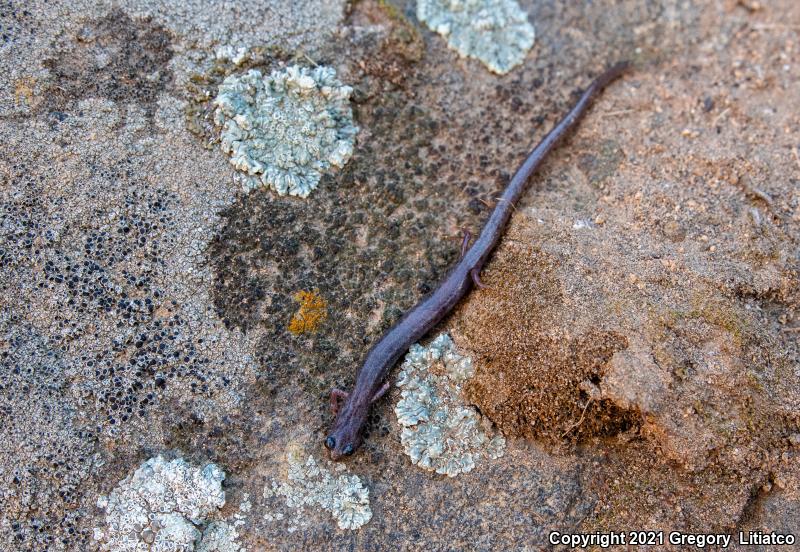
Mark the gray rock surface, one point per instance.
(145, 300)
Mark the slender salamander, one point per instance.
(345, 436)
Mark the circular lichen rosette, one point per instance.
(286, 129)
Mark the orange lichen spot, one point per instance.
(312, 312)
(23, 91)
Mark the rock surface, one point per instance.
(638, 346)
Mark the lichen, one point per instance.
(311, 486)
(158, 507)
(220, 536)
(496, 32)
(286, 129)
(441, 433)
(313, 311)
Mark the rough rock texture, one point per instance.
(146, 302)
(648, 292)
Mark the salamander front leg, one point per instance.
(381, 392)
(336, 396)
(465, 243)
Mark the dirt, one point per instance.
(638, 343)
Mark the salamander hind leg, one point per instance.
(336, 396)
(476, 278)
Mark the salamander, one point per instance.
(346, 434)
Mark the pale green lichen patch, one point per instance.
(285, 130)
(220, 536)
(440, 432)
(311, 486)
(159, 507)
(496, 32)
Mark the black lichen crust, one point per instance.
(372, 239)
(41, 496)
(115, 57)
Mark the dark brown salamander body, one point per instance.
(345, 436)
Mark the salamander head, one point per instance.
(345, 437)
(339, 447)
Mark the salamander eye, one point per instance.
(348, 450)
(330, 443)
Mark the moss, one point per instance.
(707, 307)
(24, 91)
(717, 312)
(633, 481)
(754, 382)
